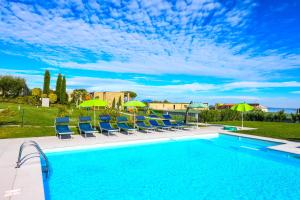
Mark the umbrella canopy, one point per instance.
(93, 103)
(242, 107)
(147, 101)
(197, 105)
(134, 104)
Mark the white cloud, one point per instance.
(149, 43)
(295, 92)
(247, 84)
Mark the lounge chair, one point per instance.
(62, 127)
(154, 123)
(167, 122)
(122, 123)
(105, 125)
(85, 126)
(140, 123)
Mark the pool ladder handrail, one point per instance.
(32, 143)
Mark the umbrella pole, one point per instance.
(242, 120)
(94, 117)
(133, 119)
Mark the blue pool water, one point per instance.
(226, 167)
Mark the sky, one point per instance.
(225, 51)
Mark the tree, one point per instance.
(46, 89)
(119, 104)
(13, 86)
(36, 92)
(58, 87)
(78, 95)
(131, 94)
(113, 104)
(52, 98)
(63, 92)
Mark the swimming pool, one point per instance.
(225, 167)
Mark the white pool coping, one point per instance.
(138, 142)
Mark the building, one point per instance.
(111, 97)
(171, 106)
(256, 106)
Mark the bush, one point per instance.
(255, 115)
(6, 115)
(62, 111)
(295, 118)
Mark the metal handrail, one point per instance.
(38, 148)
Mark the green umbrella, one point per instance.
(94, 103)
(134, 104)
(242, 107)
(197, 105)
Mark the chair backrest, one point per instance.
(62, 128)
(140, 123)
(167, 116)
(123, 125)
(167, 122)
(153, 122)
(105, 118)
(105, 125)
(85, 119)
(122, 119)
(85, 126)
(140, 118)
(153, 116)
(62, 120)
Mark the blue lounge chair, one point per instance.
(154, 123)
(140, 123)
(85, 126)
(122, 123)
(168, 118)
(105, 125)
(62, 127)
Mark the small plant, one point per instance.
(62, 111)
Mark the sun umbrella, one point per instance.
(94, 103)
(197, 105)
(147, 101)
(242, 107)
(134, 104)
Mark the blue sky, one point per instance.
(203, 50)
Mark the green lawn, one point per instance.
(36, 116)
(39, 116)
(281, 130)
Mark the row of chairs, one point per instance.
(105, 126)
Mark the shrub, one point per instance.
(62, 111)
(6, 115)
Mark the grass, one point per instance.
(280, 130)
(39, 116)
(41, 119)
(18, 132)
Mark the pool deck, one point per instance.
(26, 182)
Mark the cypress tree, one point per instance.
(119, 103)
(63, 92)
(58, 87)
(113, 105)
(46, 89)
